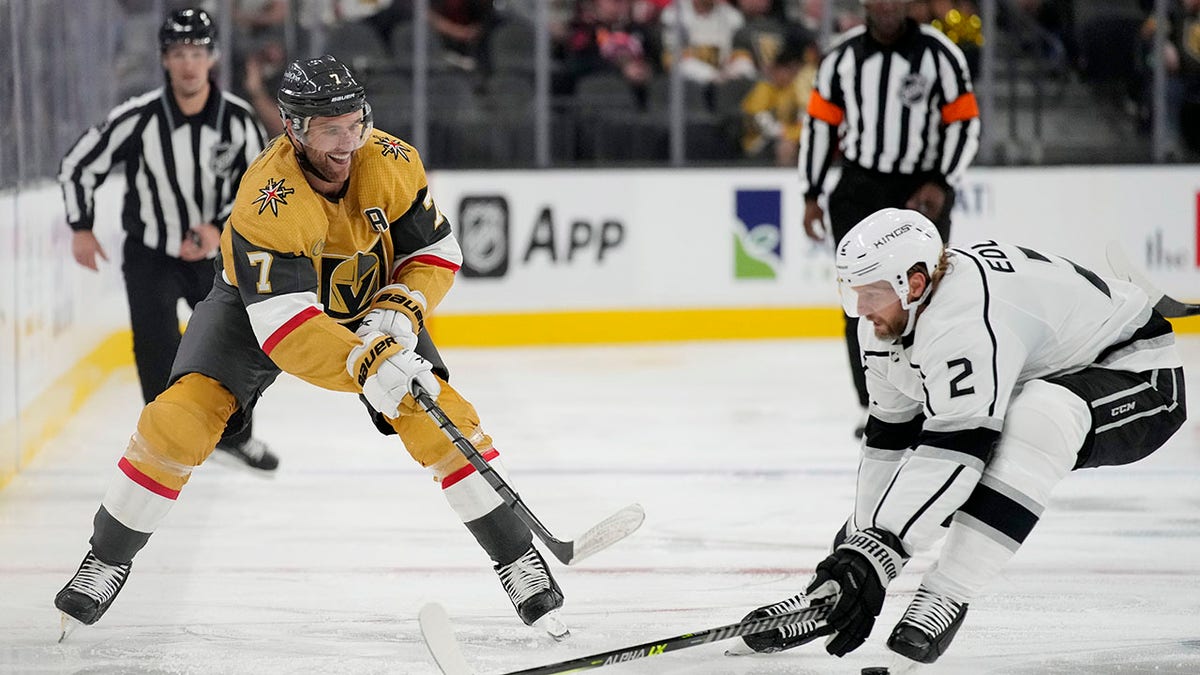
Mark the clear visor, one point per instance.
(866, 299)
(344, 133)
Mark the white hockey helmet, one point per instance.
(884, 247)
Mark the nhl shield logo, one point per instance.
(484, 235)
(224, 154)
(914, 89)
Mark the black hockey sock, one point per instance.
(114, 543)
(502, 534)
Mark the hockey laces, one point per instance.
(796, 602)
(525, 577)
(931, 612)
(98, 580)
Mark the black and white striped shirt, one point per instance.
(180, 171)
(907, 108)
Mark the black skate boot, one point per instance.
(88, 594)
(927, 627)
(784, 637)
(252, 453)
(534, 593)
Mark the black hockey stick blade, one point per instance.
(1124, 269)
(599, 537)
(439, 638)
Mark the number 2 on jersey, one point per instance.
(956, 388)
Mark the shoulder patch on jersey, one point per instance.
(273, 195)
(393, 147)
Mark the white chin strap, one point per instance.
(912, 311)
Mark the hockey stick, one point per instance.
(439, 638)
(602, 535)
(1126, 270)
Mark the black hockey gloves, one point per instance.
(856, 574)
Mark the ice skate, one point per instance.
(88, 595)
(784, 637)
(928, 626)
(251, 453)
(534, 593)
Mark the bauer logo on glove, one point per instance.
(380, 346)
(394, 300)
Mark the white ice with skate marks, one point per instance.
(744, 474)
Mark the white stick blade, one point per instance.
(609, 531)
(1124, 269)
(439, 638)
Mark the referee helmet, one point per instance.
(192, 26)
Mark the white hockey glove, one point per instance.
(398, 311)
(386, 372)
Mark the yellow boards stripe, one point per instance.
(625, 326)
(45, 417)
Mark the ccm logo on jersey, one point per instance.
(364, 368)
(1122, 409)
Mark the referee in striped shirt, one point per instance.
(896, 98)
(183, 148)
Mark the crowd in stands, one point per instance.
(611, 62)
(1181, 57)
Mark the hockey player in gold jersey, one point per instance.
(332, 258)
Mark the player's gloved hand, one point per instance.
(856, 576)
(386, 372)
(398, 311)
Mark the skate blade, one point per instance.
(902, 664)
(553, 625)
(68, 624)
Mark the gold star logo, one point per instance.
(392, 147)
(273, 195)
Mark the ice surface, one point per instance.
(741, 453)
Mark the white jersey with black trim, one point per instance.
(1001, 316)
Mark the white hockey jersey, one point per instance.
(1001, 316)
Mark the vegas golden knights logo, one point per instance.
(350, 284)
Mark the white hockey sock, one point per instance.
(136, 500)
(469, 493)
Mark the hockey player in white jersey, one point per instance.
(993, 371)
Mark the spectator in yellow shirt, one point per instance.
(773, 110)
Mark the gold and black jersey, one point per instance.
(306, 265)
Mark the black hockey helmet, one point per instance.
(321, 87)
(192, 26)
